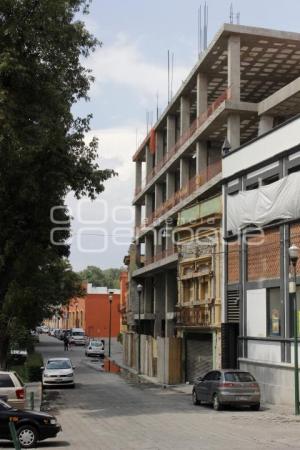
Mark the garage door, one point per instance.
(199, 354)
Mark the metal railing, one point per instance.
(197, 181)
(196, 124)
(160, 255)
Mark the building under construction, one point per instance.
(244, 85)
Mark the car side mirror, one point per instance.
(200, 379)
(42, 368)
(74, 367)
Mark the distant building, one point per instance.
(91, 312)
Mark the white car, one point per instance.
(95, 348)
(12, 389)
(58, 371)
(77, 336)
(45, 329)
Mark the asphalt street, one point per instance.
(106, 411)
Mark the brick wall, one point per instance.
(233, 266)
(264, 256)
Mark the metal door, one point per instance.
(199, 355)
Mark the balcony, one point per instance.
(192, 316)
(197, 181)
(198, 122)
(161, 255)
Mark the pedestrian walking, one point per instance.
(66, 342)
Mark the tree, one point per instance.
(43, 154)
(109, 277)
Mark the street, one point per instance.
(108, 412)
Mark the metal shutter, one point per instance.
(233, 306)
(199, 356)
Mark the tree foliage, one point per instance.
(109, 277)
(43, 153)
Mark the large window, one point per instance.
(274, 312)
(292, 313)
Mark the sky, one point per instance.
(130, 70)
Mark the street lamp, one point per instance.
(294, 255)
(76, 314)
(139, 291)
(110, 299)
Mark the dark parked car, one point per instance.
(31, 426)
(227, 387)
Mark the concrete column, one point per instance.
(266, 124)
(158, 195)
(148, 206)
(170, 300)
(169, 237)
(159, 146)
(202, 90)
(201, 157)
(148, 295)
(159, 303)
(234, 83)
(184, 114)
(157, 242)
(234, 66)
(171, 132)
(149, 161)
(184, 172)
(138, 175)
(138, 253)
(233, 130)
(148, 246)
(170, 184)
(138, 215)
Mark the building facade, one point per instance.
(262, 211)
(92, 312)
(198, 311)
(243, 85)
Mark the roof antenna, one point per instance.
(168, 76)
(147, 120)
(231, 13)
(238, 17)
(203, 32)
(172, 72)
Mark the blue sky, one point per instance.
(130, 69)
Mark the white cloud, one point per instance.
(123, 63)
(117, 144)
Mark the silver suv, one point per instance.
(12, 389)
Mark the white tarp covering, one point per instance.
(277, 201)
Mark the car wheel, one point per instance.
(255, 407)
(195, 399)
(216, 403)
(27, 436)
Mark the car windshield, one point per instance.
(58, 364)
(242, 377)
(4, 405)
(96, 344)
(77, 333)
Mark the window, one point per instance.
(292, 313)
(242, 377)
(213, 376)
(274, 312)
(188, 291)
(6, 381)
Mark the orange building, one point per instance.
(92, 311)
